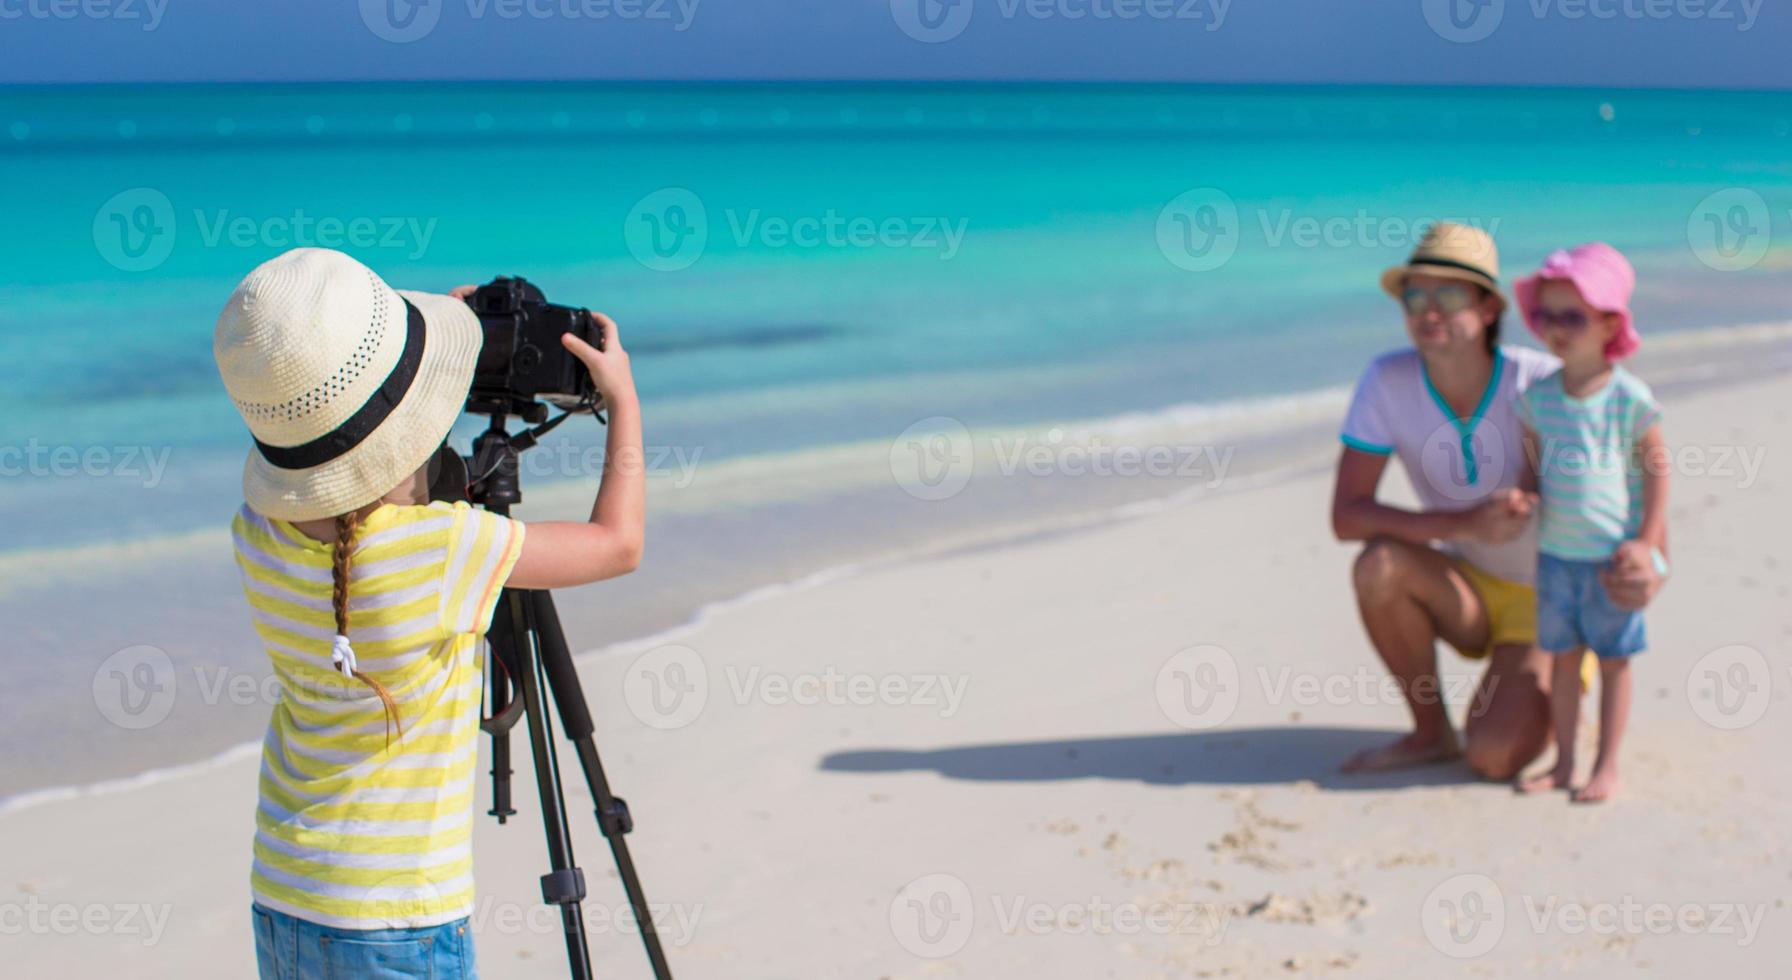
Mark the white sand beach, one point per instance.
(986, 764)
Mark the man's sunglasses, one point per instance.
(1448, 300)
(1564, 320)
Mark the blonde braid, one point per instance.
(347, 526)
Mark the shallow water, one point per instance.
(802, 274)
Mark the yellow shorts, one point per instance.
(1511, 617)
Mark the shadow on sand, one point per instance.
(1243, 756)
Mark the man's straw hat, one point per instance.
(347, 385)
(1451, 251)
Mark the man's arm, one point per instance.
(1358, 516)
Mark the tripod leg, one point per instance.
(564, 885)
(612, 813)
(499, 664)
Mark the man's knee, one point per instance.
(1494, 757)
(1380, 569)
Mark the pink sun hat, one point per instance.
(1605, 280)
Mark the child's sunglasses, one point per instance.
(1564, 320)
(1449, 300)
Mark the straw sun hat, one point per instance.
(1451, 251)
(347, 385)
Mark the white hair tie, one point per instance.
(342, 654)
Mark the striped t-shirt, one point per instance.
(1589, 472)
(351, 833)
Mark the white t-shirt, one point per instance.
(1453, 463)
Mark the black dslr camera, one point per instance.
(522, 369)
(523, 362)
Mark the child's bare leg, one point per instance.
(1614, 715)
(1564, 714)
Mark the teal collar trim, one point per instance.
(1465, 428)
(1365, 446)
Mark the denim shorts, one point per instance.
(290, 948)
(1574, 611)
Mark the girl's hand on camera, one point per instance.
(562, 554)
(609, 367)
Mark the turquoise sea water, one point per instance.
(1023, 277)
(795, 268)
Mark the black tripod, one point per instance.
(529, 654)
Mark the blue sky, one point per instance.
(1671, 43)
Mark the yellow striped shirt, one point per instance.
(351, 833)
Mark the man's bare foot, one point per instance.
(1556, 778)
(1412, 750)
(1603, 786)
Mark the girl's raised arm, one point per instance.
(559, 554)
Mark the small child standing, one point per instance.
(1594, 443)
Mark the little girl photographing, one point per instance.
(372, 604)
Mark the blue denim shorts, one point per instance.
(1573, 611)
(290, 948)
